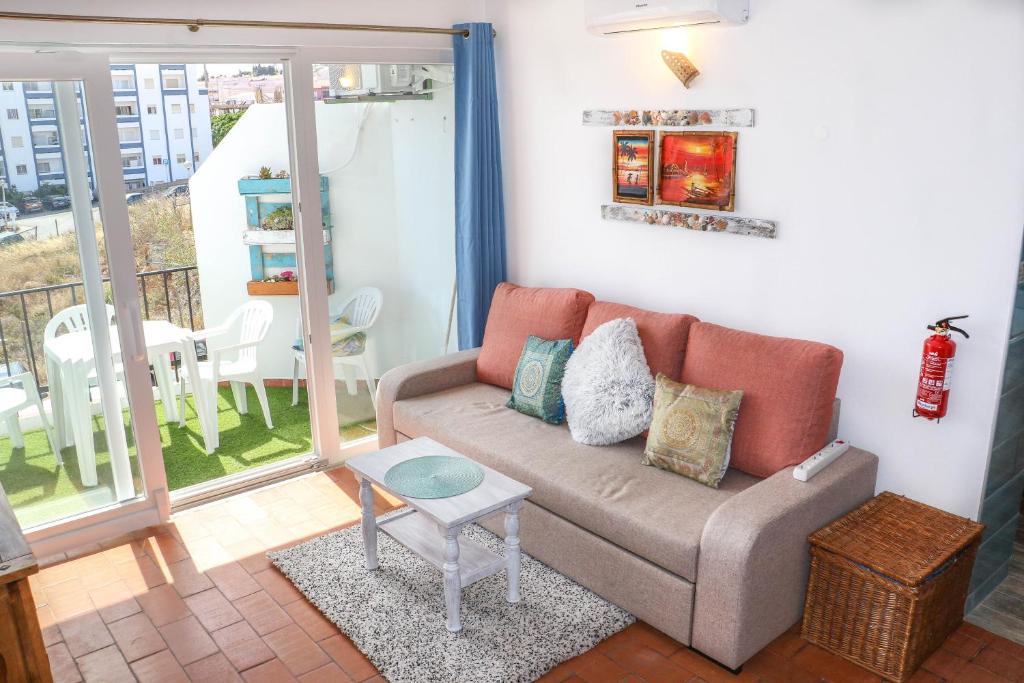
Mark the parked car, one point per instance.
(176, 191)
(135, 198)
(31, 204)
(9, 238)
(57, 201)
(8, 211)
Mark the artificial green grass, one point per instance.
(245, 441)
(40, 490)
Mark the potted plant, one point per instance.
(280, 218)
(284, 283)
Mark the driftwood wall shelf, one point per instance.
(691, 221)
(671, 118)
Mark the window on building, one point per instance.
(195, 158)
(125, 109)
(149, 83)
(17, 141)
(154, 134)
(135, 184)
(179, 133)
(181, 158)
(21, 169)
(195, 132)
(175, 108)
(8, 85)
(173, 83)
(129, 134)
(158, 160)
(12, 114)
(123, 82)
(192, 108)
(131, 161)
(43, 167)
(151, 109)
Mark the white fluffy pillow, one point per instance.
(608, 388)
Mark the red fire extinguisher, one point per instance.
(936, 370)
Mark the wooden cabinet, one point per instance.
(22, 653)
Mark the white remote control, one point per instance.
(820, 460)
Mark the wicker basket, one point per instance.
(888, 583)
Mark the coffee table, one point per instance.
(430, 527)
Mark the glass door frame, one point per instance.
(151, 505)
(302, 128)
(311, 265)
(91, 65)
(298, 62)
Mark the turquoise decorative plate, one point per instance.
(434, 476)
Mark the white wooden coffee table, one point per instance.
(430, 526)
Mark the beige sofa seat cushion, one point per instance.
(656, 514)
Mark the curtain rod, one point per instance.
(194, 25)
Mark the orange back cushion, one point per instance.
(788, 386)
(516, 313)
(662, 334)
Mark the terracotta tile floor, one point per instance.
(198, 600)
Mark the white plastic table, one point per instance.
(70, 360)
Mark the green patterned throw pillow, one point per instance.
(537, 386)
(691, 432)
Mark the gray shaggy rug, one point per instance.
(396, 614)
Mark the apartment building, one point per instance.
(163, 122)
(30, 152)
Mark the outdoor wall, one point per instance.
(392, 213)
(888, 148)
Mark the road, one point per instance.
(46, 224)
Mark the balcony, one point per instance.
(37, 87)
(38, 115)
(40, 489)
(133, 164)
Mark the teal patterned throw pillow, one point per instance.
(537, 387)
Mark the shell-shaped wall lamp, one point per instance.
(681, 66)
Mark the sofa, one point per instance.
(722, 570)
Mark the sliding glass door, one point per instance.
(385, 151)
(207, 178)
(148, 198)
(67, 438)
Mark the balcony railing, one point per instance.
(169, 294)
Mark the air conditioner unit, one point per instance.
(622, 16)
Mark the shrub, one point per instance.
(162, 237)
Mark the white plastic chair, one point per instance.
(240, 334)
(13, 400)
(76, 319)
(361, 309)
(72, 319)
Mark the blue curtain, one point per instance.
(479, 207)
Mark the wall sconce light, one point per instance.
(681, 66)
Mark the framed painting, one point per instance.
(698, 169)
(633, 166)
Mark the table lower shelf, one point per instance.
(420, 535)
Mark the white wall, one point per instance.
(392, 208)
(888, 146)
(423, 150)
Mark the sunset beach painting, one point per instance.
(633, 166)
(698, 170)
